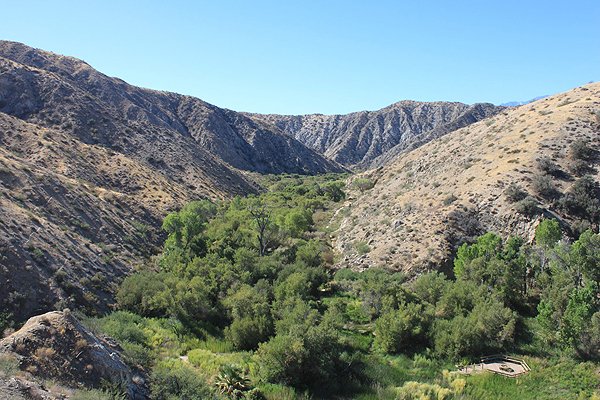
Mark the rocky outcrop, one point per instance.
(370, 139)
(56, 345)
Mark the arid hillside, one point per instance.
(370, 139)
(90, 165)
(501, 174)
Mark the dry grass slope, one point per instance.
(453, 188)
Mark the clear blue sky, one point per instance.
(324, 56)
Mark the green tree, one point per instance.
(402, 329)
(577, 315)
(547, 233)
(487, 246)
(185, 233)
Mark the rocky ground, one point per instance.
(55, 347)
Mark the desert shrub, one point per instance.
(580, 150)
(9, 365)
(579, 167)
(515, 193)
(362, 247)
(96, 394)
(449, 200)
(363, 184)
(583, 199)
(548, 166)
(528, 206)
(543, 186)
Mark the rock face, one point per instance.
(452, 189)
(90, 165)
(369, 139)
(57, 346)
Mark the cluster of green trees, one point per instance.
(253, 275)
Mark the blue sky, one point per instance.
(295, 57)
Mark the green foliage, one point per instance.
(577, 315)
(486, 247)
(231, 382)
(9, 365)
(363, 184)
(547, 233)
(267, 309)
(6, 321)
(400, 330)
(303, 358)
(173, 380)
(489, 327)
(583, 199)
(184, 229)
(362, 247)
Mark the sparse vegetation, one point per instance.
(544, 186)
(363, 184)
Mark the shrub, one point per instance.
(302, 358)
(172, 380)
(362, 247)
(400, 330)
(363, 184)
(548, 166)
(580, 150)
(8, 365)
(579, 167)
(449, 200)
(528, 207)
(543, 186)
(515, 193)
(583, 199)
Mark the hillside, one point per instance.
(90, 165)
(66, 93)
(455, 187)
(374, 138)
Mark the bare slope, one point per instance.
(453, 188)
(67, 94)
(374, 138)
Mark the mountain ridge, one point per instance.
(368, 139)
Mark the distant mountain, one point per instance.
(89, 166)
(369, 139)
(520, 103)
(448, 191)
